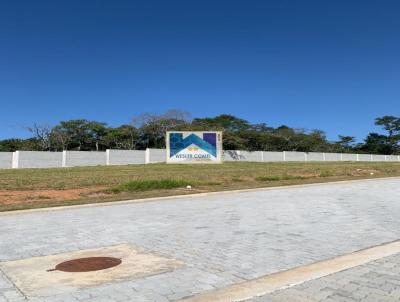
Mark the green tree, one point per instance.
(392, 125)
(123, 137)
(346, 143)
(223, 122)
(80, 135)
(152, 127)
(41, 134)
(95, 135)
(376, 144)
(15, 144)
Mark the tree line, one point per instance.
(148, 131)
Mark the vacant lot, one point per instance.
(31, 188)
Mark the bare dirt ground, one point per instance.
(10, 197)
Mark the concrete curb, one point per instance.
(267, 284)
(192, 195)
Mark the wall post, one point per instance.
(64, 159)
(15, 160)
(107, 157)
(147, 156)
(284, 155)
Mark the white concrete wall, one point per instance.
(271, 156)
(6, 160)
(256, 156)
(39, 159)
(231, 155)
(392, 158)
(126, 157)
(295, 156)
(364, 157)
(333, 156)
(378, 157)
(349, 157)
(85, 158)
(157, 156)
(316, 156)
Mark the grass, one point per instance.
(110, 183)
(283, 177)
(146, 185)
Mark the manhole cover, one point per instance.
(87, 264)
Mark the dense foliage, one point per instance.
(148, 130)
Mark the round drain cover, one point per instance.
(89, 264)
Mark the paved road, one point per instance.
(222, 239)
(377, 281)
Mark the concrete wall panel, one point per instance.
(364, 157)
(255, 156)
(6, 160)
(127, 157)
(157, 156)
(315, 156)
(39, 159)
(349, 157)
(392, 158)
(378, 157)
(85, 158)
(333, 156)
(271, 156)
(231, 155)
(294, 156)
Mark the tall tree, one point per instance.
(152, 127)
(95, 134)
(224, 122)
(148, 130)
(346, 143)
(392, 125)
(377, 144)
(15, 144)
(79, 134)
(41, 133)
(123, 137)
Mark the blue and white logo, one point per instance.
(196, 147)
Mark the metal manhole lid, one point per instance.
(89, 264)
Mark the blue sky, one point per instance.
(330, 65)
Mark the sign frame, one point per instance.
(218, 145)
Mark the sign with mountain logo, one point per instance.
(194, 147)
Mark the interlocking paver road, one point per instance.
(222, 239)
(377, 281)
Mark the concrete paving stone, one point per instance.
(378, 298)
(358, 288)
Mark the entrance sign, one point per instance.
(188, 147)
